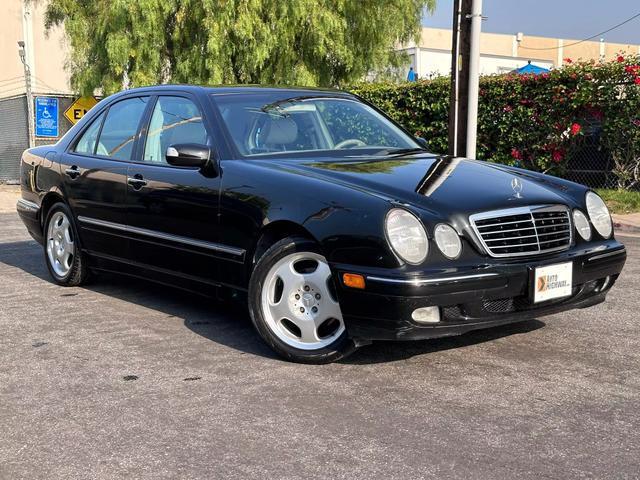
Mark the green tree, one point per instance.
(116, 43)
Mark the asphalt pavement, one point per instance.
(127, 379)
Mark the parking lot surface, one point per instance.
(126, 379)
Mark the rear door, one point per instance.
(172, 212)
(95, 175)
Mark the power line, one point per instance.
(586, 39)
(14, 89)
(40, 83)
(49, 87)
(11, 80)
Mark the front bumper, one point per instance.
(471, 297)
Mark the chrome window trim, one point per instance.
(424, 281)
(28, 205)
(528, 210)
(163, 236)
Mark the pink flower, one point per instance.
(515, 153)
(620, 59)
(575, 129)
(568, 60)
(557, 156)
(636, 80)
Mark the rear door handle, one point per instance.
(137, 181)
(73, 172)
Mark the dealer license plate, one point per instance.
(552, 281)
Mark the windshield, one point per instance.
(276, 123)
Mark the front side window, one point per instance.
(119, 130)
(175, 120)
(276, 123)
(87, 143)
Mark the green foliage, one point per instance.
(620, 201)
(124, 43)
(533, 121)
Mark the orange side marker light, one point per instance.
(353, 280)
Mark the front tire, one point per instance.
(65, 261)
(293, 304)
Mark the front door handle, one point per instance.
(137, 181)
(73, 172)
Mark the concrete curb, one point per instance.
(626, 223)
(625, 228)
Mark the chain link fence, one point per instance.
(592, 163)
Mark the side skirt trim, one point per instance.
(239, 252)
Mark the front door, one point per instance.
(172, 212)
(95, 174)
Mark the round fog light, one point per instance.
(426, 315)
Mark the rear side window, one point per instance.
(119, 130)
(87, 143)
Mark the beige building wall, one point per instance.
(45, 54)
(499, 52)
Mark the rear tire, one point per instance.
(293, 306)
(65, 260)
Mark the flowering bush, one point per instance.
(534, 121)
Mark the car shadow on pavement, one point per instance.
(227, 323)
(224, 322)
(382, 352)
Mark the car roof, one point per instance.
(226, 89)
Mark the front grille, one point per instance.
(524, 231)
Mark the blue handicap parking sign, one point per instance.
(46, 117)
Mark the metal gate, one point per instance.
(14, 137)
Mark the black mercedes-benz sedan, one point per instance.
(337, 225)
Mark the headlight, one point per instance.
(599, 214)
(447, 240)
(406, 236)
(582, 224)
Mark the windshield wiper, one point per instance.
(402, 151)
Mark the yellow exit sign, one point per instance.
(79, 108)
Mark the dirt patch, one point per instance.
(9, 195)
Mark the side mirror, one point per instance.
(188, 155)
(423, 142)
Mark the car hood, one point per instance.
(443, 185)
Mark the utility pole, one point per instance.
(465, 56)
(27, 81)
(474, 78)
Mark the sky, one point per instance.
(570, 19)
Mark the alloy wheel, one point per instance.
(60, 244)
(299, 303)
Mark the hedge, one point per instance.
(533, 121)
